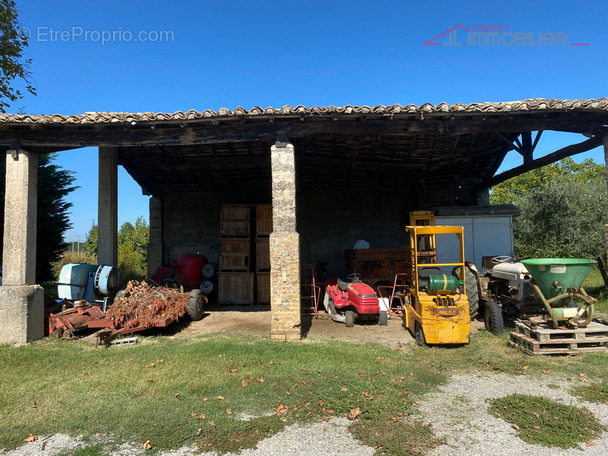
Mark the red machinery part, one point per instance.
(189, 267)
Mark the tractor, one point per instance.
(354, 301)
(533, 289)
(436, 308)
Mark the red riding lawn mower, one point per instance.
(347, 302)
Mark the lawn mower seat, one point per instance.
(342, 285)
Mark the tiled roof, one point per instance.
(536, 104)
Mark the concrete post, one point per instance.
(284, 246)
(107, 206)
(21, 302)
(155, 244)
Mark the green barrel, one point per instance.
(442, 283)
(555, 275)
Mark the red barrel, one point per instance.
(189, 266)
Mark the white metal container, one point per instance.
(73, 280)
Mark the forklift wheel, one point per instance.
(195, 305)
(493, 318)
(349, 319)
(420, 340)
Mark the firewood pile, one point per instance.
(142, 305)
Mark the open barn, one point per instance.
(330, 176)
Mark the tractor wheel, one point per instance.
(195, 305)
(419, 334)
(383, 318)
(349, 318)
(472, 289)
(493, 318)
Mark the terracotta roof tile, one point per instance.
(536, 104)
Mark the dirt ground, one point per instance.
(255, 320)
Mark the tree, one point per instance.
(13, 66)
(54, 184)
(511, 191)
(563, 209)
(132, 247)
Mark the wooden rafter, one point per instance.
(547, 159)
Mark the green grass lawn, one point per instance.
(191, 391)
(184, 392)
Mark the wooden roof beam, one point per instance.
(548, 159)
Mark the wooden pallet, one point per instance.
(542, 339)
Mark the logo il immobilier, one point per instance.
(499, 35)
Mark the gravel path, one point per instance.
(457, 412)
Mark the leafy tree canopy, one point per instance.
(511, 191)
(13, 66)
(563, 209)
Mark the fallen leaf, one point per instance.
(271, 362)
(199, 431)
(33, 404)
(221, 398)
(584, 380)
(325, 418)
(281, 408)
(244, 383)
(205, 399)
(236, 369)
(537, 428)
(147, 445)
(581, 375)
(344, 389)
(547, 372)
(353, 414)
(154, 390)
(515, 426)
(229, 411)
(261, 380)
(177, 396)
(150, 365)
(591, 444)
(526, 367)
(329, 411)
(30, 438)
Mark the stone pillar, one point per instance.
(107, 207)
(155, 245)
(284, 246)
(21, 302)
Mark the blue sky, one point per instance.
(244, 53)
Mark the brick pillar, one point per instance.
(21, 302)
(155, 245)
(284, 246)
(107, 207)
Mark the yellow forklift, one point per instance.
(436, 309)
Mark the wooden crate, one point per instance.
(235, 245)
(379, 264)
(235, 287)
(235, 220)
(263, 219)
(234, 262)
(263, 283)
(235, 212)
(262, 254)
(543, 339)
